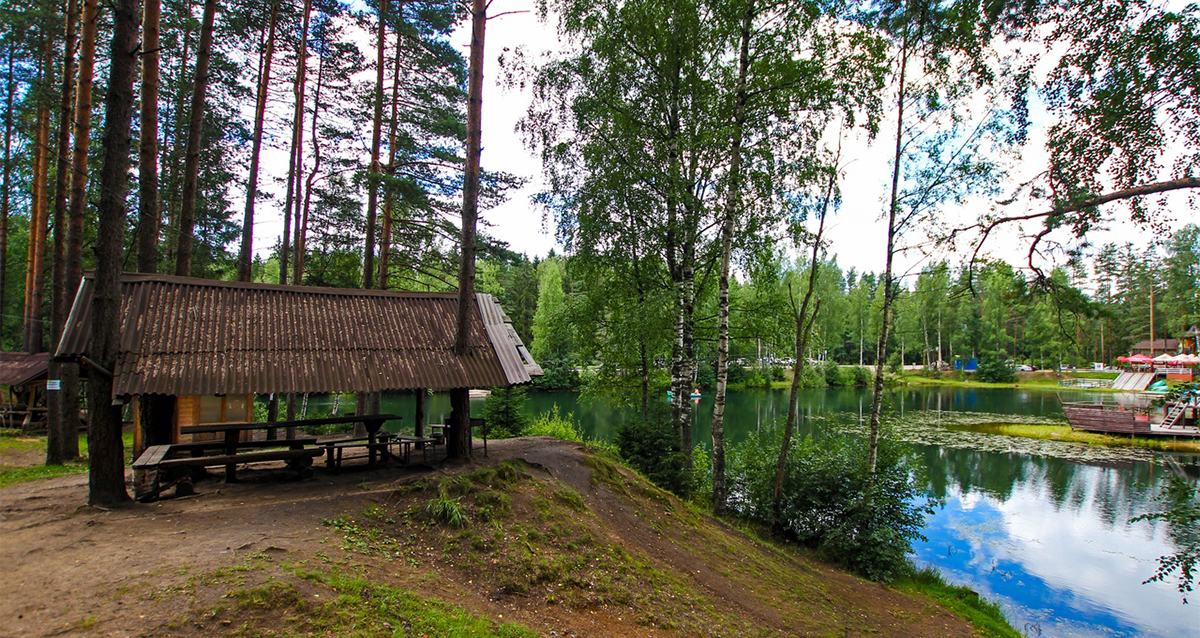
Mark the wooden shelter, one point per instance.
(212, 346)
(24, 376)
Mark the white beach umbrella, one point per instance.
(1164, 358)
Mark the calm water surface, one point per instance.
(1041, 527)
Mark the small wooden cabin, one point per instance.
(194, 351)
(23, 375)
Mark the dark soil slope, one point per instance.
(539, 539)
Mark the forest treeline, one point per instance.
(691, 150)
(945, 312)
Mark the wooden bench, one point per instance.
(154, 471)
(406, 442)
(296, 458)
(146, 479)
(199, 447)
(380, 446)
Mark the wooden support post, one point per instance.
(419, 417)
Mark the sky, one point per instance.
(856, 231)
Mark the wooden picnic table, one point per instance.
(232, 431)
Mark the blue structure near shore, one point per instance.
(966, 365)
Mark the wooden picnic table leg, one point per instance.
(231, 438)
(372, 436)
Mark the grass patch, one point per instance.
(16, 442)
(1065, 433)
(1028, 384)
(10, 474)
(348, 606)
(985, 615)
(1095, 375)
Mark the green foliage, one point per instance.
(994, 369)
(353, 606)
(492, 505)
(1180, 502)
(504, 412)
(559, 376)
(702, 475)
(551, 335)
(443, 509)
(832, 373)
(811, 377)
(831, 502)
(859, 376)
(653, 448)
(737, 373)
(555, 425)
(894, 365)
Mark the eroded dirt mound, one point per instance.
(540, 533)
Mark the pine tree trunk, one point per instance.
(246, 254)
(39, 215)
(457, 442)
(148, 216)
(62, 409)
(733, 196)
(385, 233)
(169, 195)
(106, 480)
(4, 200)
(296, 157)
(156, 411)
(302, 235)
(191, 160)
(376, 134)
(73, 250)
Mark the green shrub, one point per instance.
(859, 376)
(504, 412)
(830, 503)
(894, 365)
(776, 373)
(552, 424)
(737, 373)
(832, 373)
(702, 474)
(994, 369)
(652, 447)
(442, 509)
(811, 377)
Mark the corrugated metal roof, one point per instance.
(19, 368)
(186, 336)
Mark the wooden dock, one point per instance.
(1174, 420)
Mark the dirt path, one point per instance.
(72, 570)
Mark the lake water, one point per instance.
(1042, 527)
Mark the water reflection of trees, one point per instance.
(1117, 491)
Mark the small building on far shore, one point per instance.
(1156, 347)
(194, 351)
